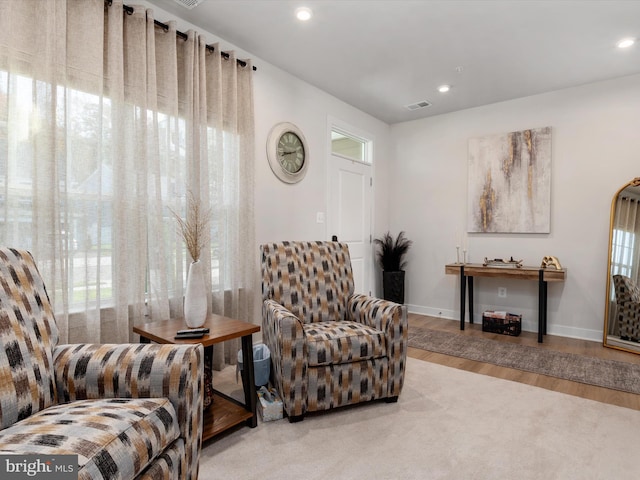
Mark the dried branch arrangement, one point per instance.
(195, 229)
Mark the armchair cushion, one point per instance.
(311, 279)
(109, 436)
(626, 289)
(342, 342)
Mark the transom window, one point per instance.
(350, 146)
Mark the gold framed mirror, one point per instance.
(622, 302)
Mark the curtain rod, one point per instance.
(180, 34)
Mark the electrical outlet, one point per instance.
(502, 292)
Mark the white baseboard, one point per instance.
(527, 325)
(433, 312)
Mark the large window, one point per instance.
(84, 219)
(624, 244)
(108, 123)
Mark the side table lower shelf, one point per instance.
(226, 412)
(223, 414)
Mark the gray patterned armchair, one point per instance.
(329, 347)
(627, 307)
(128, 411)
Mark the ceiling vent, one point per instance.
(189, 3)
(418, 105)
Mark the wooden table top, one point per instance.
(220, 329)
(523, 273)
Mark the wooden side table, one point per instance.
(224, 412)
(542, 275)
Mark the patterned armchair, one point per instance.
(329, 347)
(628, 307)
(127, 411)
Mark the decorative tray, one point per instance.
(500, 262)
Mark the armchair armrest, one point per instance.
(92, 371)
(630, 307)
(282, 332)
(390, 318)
(628, 315)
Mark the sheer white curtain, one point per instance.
(626, 248)
(106, 123)
(626, 238)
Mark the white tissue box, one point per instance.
(269, 410)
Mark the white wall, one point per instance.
(288, 212)
(595, 150)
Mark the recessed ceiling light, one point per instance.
(444, 88)
(626, 42)
(303, 14)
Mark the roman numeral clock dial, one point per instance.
(287, 152)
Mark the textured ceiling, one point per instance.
(380, 56)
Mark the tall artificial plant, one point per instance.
(391, 252)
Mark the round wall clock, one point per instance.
(287, 152)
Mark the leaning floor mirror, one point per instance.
(622, 305)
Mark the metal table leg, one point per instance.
(463, 294)
(470, 289)
(542, 305)
(248, 380)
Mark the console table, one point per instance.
(225, 412)
(543, 275)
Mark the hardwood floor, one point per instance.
(562, 344)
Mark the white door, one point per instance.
(349, 219)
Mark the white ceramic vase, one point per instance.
(195, 297)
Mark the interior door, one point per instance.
(350, 187)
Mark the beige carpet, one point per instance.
(448, 424)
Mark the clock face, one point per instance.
(291, 154)
(287, 152)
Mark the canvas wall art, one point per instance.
(509, 189)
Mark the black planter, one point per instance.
(393, 286)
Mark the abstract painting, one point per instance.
(510, 182)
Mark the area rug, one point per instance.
(578, 368)
(448, 424)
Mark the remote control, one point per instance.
(192, 330)
(189, 335)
